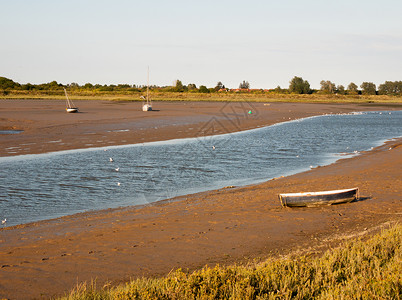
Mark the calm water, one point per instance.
(38, 187)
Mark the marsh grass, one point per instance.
(189, 96)
(358, 269)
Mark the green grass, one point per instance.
(358, 269)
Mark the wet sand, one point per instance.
(224, 226)
(47, 127)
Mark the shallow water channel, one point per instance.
(38, 187)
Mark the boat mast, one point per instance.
(68, 100)
(69, 103)
(148, 86)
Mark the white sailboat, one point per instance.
(147, 106)
(70, 107)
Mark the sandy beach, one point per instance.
(232, 225)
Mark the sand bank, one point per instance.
(47, 127)
(222, 226)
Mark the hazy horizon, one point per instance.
(263, 42)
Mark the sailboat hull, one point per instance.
(72, 110)
(146, 107)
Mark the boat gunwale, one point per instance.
(307, 199)
(330, 192)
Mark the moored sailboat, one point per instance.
(147, 106)
(70, 107)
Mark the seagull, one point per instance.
(3, 222)
(117, 169)
(111, 159)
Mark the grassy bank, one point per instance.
(357, 270)
(218, 96)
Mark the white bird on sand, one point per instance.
(111, 159)
(3, 222)
(117, 169)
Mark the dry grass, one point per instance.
(188, 96)
(357, 270)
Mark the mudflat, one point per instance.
(230, 225)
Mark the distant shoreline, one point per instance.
(208, 97)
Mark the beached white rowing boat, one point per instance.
(319, 198)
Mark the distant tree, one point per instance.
(280, 90)
(52, 85)
(219, 86)
(6, 83)
(390, 88)
(28, 87)
(74, 84)
(191, 87)
(203, 89)
(88, 86)
(340, 89)
(352, 89)
(368, 88)
(123, 86)
(327, 87)
(299, 86)
(244, 85)
(179, 87)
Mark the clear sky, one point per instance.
(264, 42)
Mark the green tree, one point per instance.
(179, 87)
(219, 86)
(280, 90)
(52, 85)
(327, 87)
(244, 85)
(390, 88)
(368, 88)
(191, 87)
(203, 89)
(6, 83)
(28, 87)
(88, 86)
(299, 86)
(76, 85)
(340, 89)
(352, 89)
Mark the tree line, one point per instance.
(297, 85)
